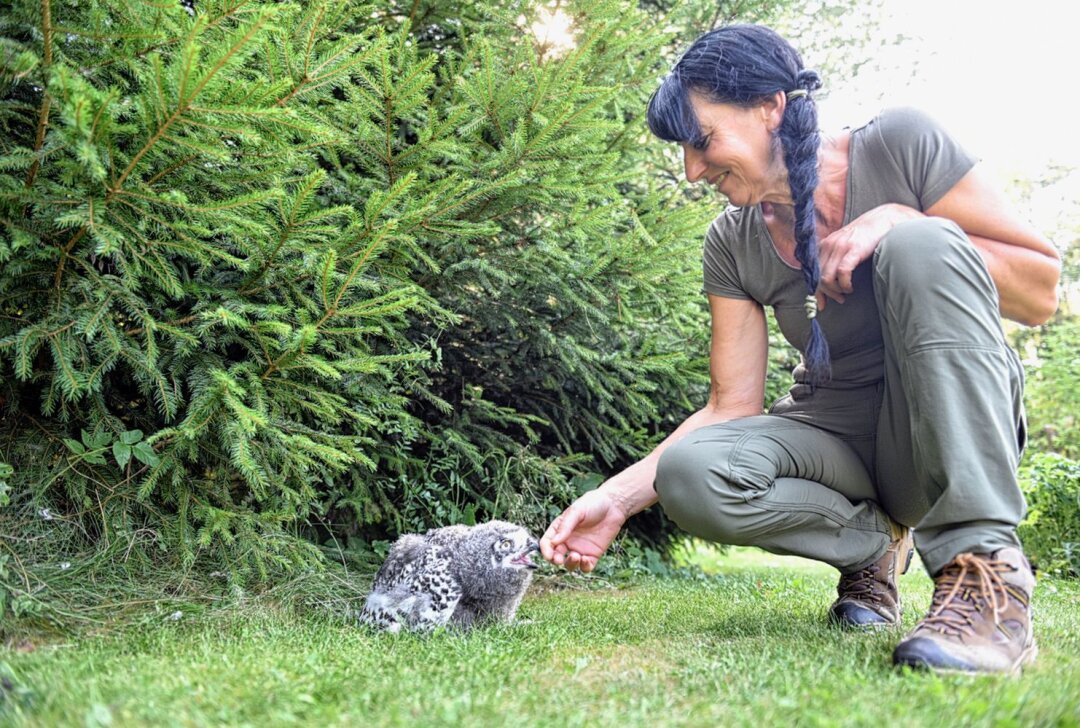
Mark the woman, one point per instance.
(887, 258)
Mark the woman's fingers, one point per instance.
(552, 545)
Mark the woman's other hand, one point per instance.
(841, 252)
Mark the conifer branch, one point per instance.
(183, 321)
(171, 168)
(43, 115)
(182, 108)
(312, 80)
(282, 238)
(184, 103)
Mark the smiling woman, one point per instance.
(735, 152)
(912, 418)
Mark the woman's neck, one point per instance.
(831, 193)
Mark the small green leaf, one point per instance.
(74, 445)
(131, 437)
(122, 453)
(95, 457)
(95, 442)
(146, 455)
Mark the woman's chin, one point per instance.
(737, 198)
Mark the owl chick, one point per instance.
(455, 575)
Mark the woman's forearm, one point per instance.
(632, 489)
(1026, 279)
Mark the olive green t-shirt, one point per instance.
(901, 156)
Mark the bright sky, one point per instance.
(1003, 78)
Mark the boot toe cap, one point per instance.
(926, 653)
(857, 616)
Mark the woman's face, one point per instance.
(737, 153)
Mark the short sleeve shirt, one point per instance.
(902, 156)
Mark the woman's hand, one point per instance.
(841, 252)
(580, 536)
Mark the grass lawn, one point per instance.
(748, 646)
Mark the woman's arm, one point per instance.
(1024, 265)
(737, 364)
(738, 359)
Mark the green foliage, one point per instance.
(174, 271)
(1051, 531)
(278, 272)
(748, 646)
(1052, 399)
(6, 471)
(16, 699)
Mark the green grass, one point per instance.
(748, 646)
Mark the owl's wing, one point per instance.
(405, 552)
(415, 588)
(437, 590)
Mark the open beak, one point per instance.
(525, 557)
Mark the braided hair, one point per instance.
(745, 65)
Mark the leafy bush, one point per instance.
(1051, 531)
(1053, 400)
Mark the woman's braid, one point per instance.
(800, 140)
(747, 65)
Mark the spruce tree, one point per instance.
(279, 272)
(194, 341)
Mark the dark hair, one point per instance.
(745, 65)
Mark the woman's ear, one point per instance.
(772, 110)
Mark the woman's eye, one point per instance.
(700, 144)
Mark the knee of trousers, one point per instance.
(698, 495)
(921, 254)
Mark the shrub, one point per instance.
(1051, 531)
(286, 270)
(1053, 400)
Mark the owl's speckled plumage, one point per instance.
(457, 575)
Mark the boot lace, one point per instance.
(863, 584)
(965, 587)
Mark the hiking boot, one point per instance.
(980, 617)
(869, 597)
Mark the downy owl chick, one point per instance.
(457, 575)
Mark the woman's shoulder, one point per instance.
(897, 124)
(734, 224)
(736, 218)
(911, 155)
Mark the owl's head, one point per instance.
(510, 547)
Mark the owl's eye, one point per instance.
(506, 544)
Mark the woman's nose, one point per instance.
(693, 164)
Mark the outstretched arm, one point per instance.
(579, 536)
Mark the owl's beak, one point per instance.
(524, 557)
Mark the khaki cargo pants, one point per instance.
(947, 419)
